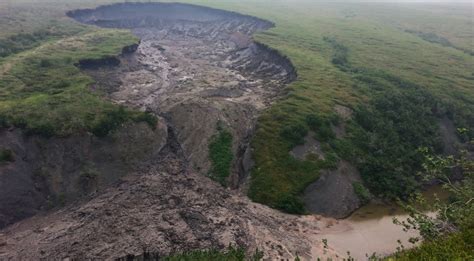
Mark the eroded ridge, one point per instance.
(196, 66)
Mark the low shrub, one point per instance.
(22, 41)
(220, 154)
(291, 204)
(294, 134)
(340, 53)
(321, 126)
(231, 254)
(6, 155)
(110, 122)
(456, 246)
(362, 192)
(147, 117)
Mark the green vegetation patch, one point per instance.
(6, 155)
(43, 91)
(220, 154)
(362, 192)
(387, 132)
(340, 55)
(294, 134)
(456, 246)
(231, 254)
(431, 37)
(22, 41)
(434, 38)
(290, 176)
(321, 125)
(448, 235)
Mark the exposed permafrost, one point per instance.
(196, 66)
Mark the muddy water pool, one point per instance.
(370, 229)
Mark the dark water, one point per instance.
(380, 211)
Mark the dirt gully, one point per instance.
(197, 67)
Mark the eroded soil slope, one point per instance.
(163, 211)
(49, 172)
(195, 66)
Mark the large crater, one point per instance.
(135, 15)
(196, 66)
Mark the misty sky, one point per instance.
(410, 1)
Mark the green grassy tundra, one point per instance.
(401, 69)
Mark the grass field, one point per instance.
(399, 67)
